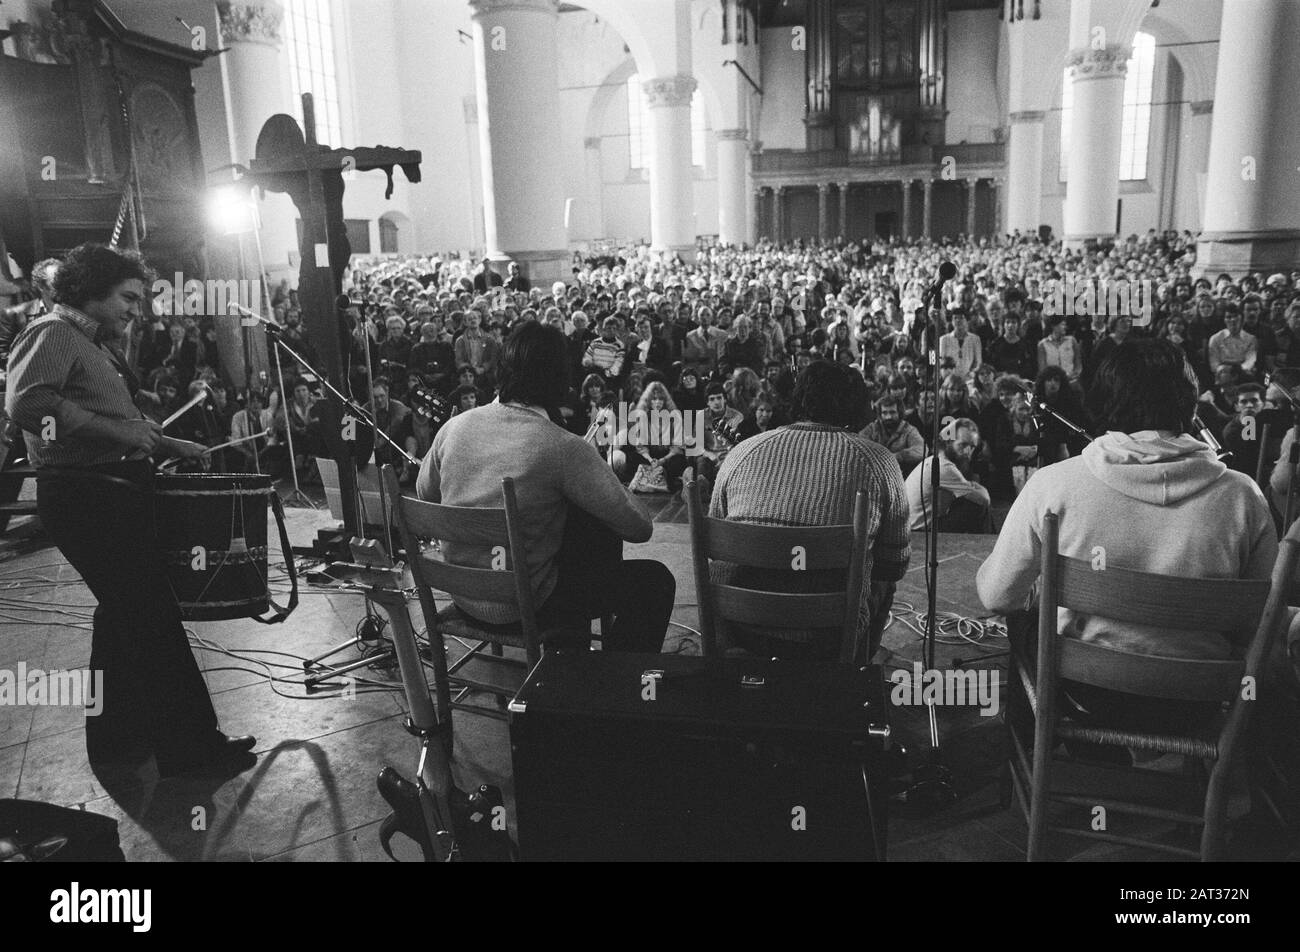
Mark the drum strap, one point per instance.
(282, 613)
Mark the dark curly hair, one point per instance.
(831, 393)
(90, 272)
(1143, 385)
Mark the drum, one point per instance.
(212, 534)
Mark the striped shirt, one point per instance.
(809, 475)
(607, 356)
(61, 376)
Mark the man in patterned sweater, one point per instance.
(808, 474)
(606, 354)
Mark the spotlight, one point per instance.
(231, 210)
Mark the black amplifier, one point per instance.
(664, 757)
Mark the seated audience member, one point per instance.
(963, 504)
(1154, 499)
(721, 430)
(653, 438)
(895, 434)
(265, 454)
(1241, 436)
(809, 474)
(393, 418)
(689, 395)
(606, 355)
(760, 419)
(569, 499)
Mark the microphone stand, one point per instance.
(931, 787)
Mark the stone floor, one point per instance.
(312, 795)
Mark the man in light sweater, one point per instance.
(1153, 500)
(571, 504)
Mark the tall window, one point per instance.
(309, 32)
(1135, 128)
(639, 145)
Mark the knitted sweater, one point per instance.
(808, 475)
(552, 469)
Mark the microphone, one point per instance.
(252, 316)
(947, 271)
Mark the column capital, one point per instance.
(490, 7)
(250, 21)
(1202, 107)
(1028, 115)
(669, 90)
(1087, 63)
(759, 190)
(823, 188)
(927, 184)
(733, 135)
(843, 186)
(778, 189)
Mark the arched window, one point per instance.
(1135, 128)
(309, 36)
(639, 145)
(387, 236)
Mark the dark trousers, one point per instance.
(154, 695)
(965, 516)
(596, 582)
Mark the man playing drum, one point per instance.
(73, 395)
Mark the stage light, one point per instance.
(231, 210)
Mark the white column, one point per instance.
(672, 184)
(595, 204)
(927, 206)
(971, 184)
(1195, 145)
(905, 230)
(822, 189)
(756, 219)
(1092, 192)
(1025, 172)
(843, 189)
(733, 162)
(517, 81)
(255, 91)
(1252, 205)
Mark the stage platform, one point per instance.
(312, 795)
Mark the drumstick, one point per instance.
(213, 449)
(197, 398)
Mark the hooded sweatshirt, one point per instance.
(1150, 502)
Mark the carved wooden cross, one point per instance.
(311, 174)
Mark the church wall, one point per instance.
(974, 111)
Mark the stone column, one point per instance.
(1092, 192)
(1196, 143)
(1025, 171)
(756, 225)
(844, 208)
(905, 229)
(595, 224)
(733, 161)
(517, 81)
(251, 33)
(672, 184)
(822, 224)
(971, 184)
(999, 187)
(778, 214)
(927, 206)
(1252, 205)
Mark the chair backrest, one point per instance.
(496, 529)
(805, 548)
(372, 505)
(1191, 604)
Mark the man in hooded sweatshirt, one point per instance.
(1155, 500)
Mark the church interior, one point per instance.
(340, 228)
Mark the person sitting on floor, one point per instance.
(963, 504)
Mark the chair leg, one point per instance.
(441, 682)
(1039, 785)
(1214, 835)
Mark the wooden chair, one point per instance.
(776, 547)
(415, 520)
(1228, 605)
